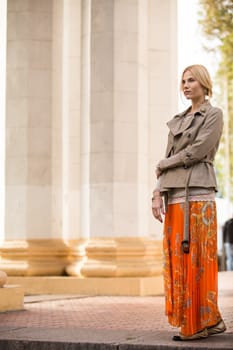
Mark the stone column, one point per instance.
(117, 100)
(163, 84)
(11, 297)
(90, 84)
(66, 119)
(66, 105)
(29, 247)
(3, 6)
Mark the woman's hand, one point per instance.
(157, 206)
(158, 172)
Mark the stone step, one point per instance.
(11, 298)
(89, 286)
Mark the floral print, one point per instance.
(190, 280)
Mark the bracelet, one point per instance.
(153, 198)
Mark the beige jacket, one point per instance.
(192, 144)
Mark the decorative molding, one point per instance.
(119, 257)
(96, 257)
(35, 257)
(3, 278)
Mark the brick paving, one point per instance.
(101, 322)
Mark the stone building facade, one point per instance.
(89, 86)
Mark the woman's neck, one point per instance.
(197, 104)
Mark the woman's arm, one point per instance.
(206, 139)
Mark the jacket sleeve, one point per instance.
(206, 139)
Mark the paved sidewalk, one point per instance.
(102, 323)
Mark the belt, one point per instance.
(186, 239)
(185, 242)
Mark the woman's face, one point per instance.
(192, 89)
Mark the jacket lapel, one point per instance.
(181, 121)
(177, 127)
(179, 124)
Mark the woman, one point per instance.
(186, 180)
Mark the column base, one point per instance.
(119, 257)
(3, 278)
(37, 257)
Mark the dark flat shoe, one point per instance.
(200, 335)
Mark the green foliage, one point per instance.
(216, 19)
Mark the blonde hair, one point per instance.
(202, 75)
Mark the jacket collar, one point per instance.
(202, 109)
(178, 124)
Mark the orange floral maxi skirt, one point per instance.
(191, 280)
